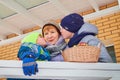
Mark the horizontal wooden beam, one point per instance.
(101, 13)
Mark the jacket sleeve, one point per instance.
(27, 50)
(93, 41)
(22, 51)
(43, 53)
(104, 55)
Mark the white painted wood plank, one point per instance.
(45, 64)
(57, 73)
(62, 70)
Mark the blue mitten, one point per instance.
(30, 66)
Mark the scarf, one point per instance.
(78, 37)
(57, 48)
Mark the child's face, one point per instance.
(50, 34)
(41, 41)
(66, 34)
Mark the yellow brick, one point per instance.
(10, 52)
(1, 58)
(116, 31)
(118, 59)
(110, 29)
(118, 19)
(97, 19)
(107, 16)
(3, 79)
(0, 47)
(14, 54)
(114, 17)
(10, 46)
(6, 55)
(112, 36)
(109, 22)
(99, 25)
(102, 20)
(15, 48)
(100, 31)
(108, 42)
(117, 13)
(7, 49)
(3, 51)
(115, 24)
(117, 51)
(104, 34)
(0, 53)
(117, 42)
(116, 39)
(104, 27)
(101, 38)
(92, 22)
(3, 48)
(17, 44)
(117, 46)
(117, 55)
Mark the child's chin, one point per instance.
(52, 43)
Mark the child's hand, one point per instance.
(41, 41)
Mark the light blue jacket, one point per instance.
(94, 41)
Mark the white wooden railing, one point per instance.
(63, 70)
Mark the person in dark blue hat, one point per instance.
(76, 30)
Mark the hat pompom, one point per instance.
(72, 22)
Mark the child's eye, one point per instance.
(52, 32)
(45, 33)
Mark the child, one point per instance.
(75, 29)
(30, 51)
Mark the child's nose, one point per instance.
(49, 35)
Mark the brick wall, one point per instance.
(9, 51)
(2, 79)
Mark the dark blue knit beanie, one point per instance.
(72, 22)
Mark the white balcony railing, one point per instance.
(63, 70)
